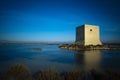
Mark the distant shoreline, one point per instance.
(49, 43)
(29, 44)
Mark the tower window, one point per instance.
(90, 29)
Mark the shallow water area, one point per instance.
(50, 56)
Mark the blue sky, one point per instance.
(56, 20)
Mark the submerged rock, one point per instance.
(35, 49)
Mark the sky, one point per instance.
(56, 20)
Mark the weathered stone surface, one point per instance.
(88, 35)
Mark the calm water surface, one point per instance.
(53, 57)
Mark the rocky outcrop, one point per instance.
(35, 49)
(89, 47)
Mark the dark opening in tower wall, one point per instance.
(90, 29)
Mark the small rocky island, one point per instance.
(88, 38)
(88, 47)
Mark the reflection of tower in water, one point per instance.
(92, 59)
(89, 59)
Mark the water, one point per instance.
(53, 57)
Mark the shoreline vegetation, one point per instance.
(89, 47)
(21, 72)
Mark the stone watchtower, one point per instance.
(88, 35)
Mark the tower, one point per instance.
(88, 35)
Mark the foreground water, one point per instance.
(53, 57)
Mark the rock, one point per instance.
(89, 47)
(35, 49)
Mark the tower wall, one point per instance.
(88, 35)
(80, 35)
(92, 36)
